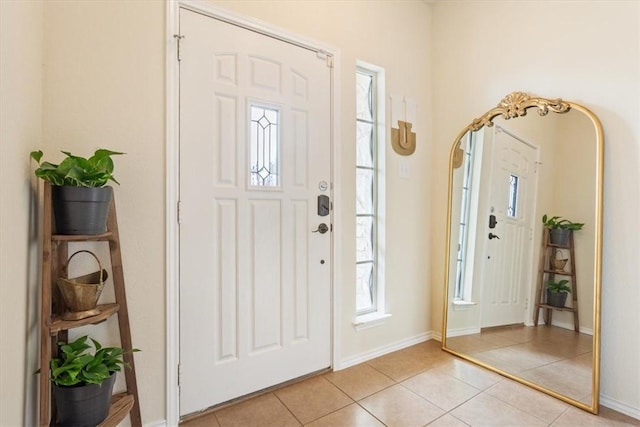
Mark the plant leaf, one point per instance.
(36, 155)
(78, 171)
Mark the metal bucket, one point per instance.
(81, 293)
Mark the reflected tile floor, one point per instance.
(553, 357)
(417, 386)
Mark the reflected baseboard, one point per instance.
(621, 407)
(460, 332)
(564, 325)
(568, 325)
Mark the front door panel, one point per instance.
(508, 244)
(254, 278)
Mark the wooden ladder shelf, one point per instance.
(547, 272)
(54, 329)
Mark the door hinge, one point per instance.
(535, 166)
(179, 211)
(326, 56)
(179, 374)
(178, 38)
(330, 61)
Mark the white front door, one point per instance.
(508, 246)
(254, 157)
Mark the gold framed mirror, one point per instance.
(527, 158)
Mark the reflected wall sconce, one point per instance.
(458, 157)
(403, 138)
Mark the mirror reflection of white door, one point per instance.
(509, 245)
(254, 147)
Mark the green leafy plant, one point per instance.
(557, 287)
(76, 171)
(556, 222)
(78, 366)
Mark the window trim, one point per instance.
(376, 315)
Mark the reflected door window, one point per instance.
(465, 213)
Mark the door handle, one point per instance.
(322, 228)
(493, 236)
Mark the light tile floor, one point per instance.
(417, 386)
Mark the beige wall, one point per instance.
(21, 131)
(104, 87)
(102, 84)
(582, 51)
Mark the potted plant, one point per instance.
(83, 381)
(560, 229)
(79, 196)
(557, 292)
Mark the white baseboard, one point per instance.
(362, 357)
(623, 408)
(381, 351)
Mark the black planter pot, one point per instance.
(559, 236)
(556, 299)
(86, 405)
(80, 210)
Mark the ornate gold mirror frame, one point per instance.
(516, 105)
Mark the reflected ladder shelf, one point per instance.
(546, 273)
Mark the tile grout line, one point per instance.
(287, 408)
(368, 412)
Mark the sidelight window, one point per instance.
(369, 189)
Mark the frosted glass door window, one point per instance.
(512, 209)
(265, 147)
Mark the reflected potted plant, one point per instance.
(557, 292)
(79, 196)
(560, 229)
(83, 381)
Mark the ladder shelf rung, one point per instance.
(560, 272)
(553, 245)
(557, 308)
(121, 405)
(106, 310)
(82, 237)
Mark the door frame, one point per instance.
(172, 123)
